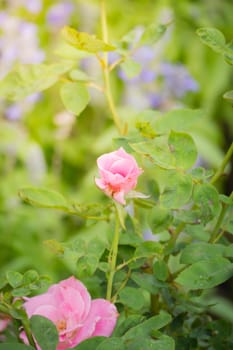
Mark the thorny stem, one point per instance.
(220, 171)
(104, 63)
(113, 257)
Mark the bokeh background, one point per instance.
(41, 144)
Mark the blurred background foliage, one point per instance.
(42, 144)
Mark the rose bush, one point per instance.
(69, 306)
(119, 172)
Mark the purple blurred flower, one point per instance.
(59, 14)
(33, 6)
(177, 79)
(16, 110)
(18, 42)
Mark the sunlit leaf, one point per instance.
(84, 41)
(75, 97)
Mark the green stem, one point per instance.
(220, 171)
(27, 330)
(108, 91)
(113, 257)
(215, 234)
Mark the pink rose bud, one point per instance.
(119, 172)
(69, 306)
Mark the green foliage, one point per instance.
(27, 79)
(45, 332)
(84, 41)
(216, 40)
(75, 97)
(206, 273)
(158, 257)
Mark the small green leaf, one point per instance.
(177, 191)
(132, 298)
(183, 149)
(206, 198)
(160, 270)
(200, 251)
(123, 326)
(148, 249)
(131, 68)
(84, 41)
(152, 34)
(75, 97)
(213, 38)
(206, 274)
(145, 328)
(30, 276)
(44, 198)
(14, 278)
(147, 282)
(159, 219)
(45, 332)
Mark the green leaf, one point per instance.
(45, 332)
(30, 276)
(132, 298)
(21, 291)
(201, 251)
(84, 41)
(183, 149)
(157, 151)
(14, 278)
(160, 270)
(179, 120)
(123, 326)
(111, 343)
(164, 343)
(148, 282)
(42, 197)
(152, 34)
(148, 249)
(75, 97)
(78, 75)
(27, 79)
(206, 198)
(213, 38)
(159, 219)
(177, 191)
(206, 274)
(145, 328)
(15, 346)
(228, 95)
(131, 68)
(89, 344)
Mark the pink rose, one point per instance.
(69, 306)
(118, 174)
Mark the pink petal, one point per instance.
(119, 197)
(100, 321)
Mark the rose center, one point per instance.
(61, 325)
